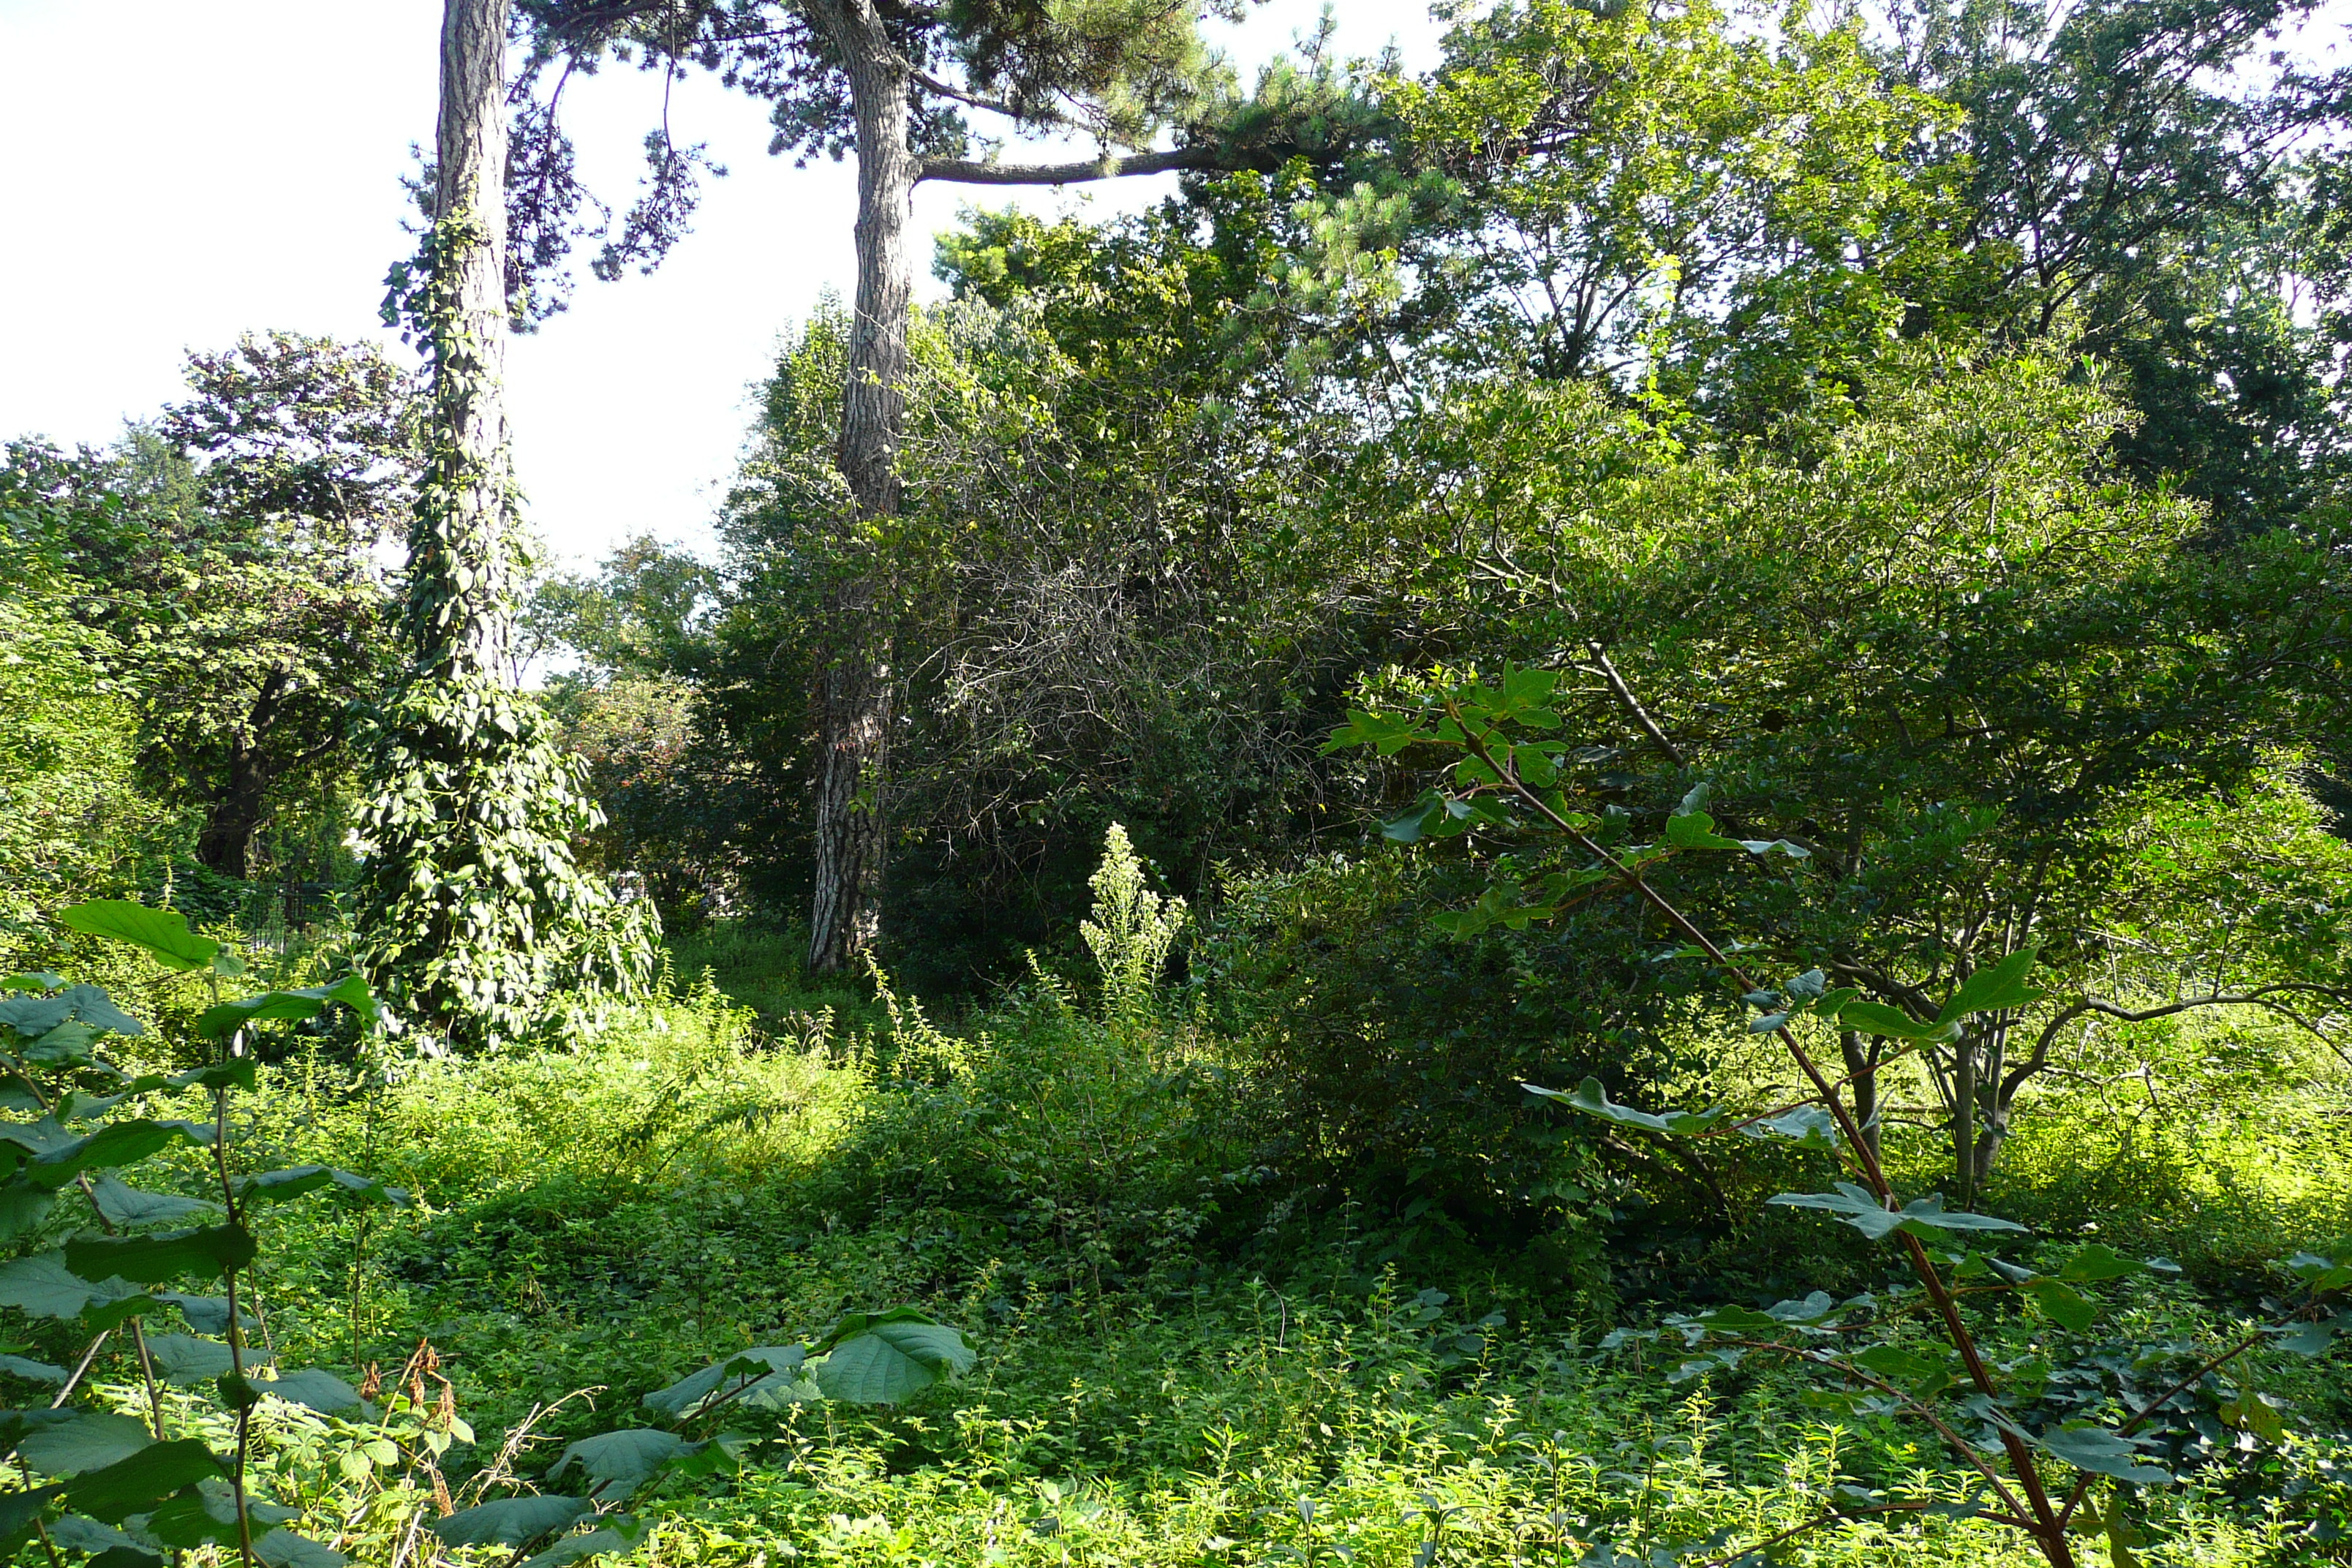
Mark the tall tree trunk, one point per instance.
(853, 696)
(474, 557)
(225, 845)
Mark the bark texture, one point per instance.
(471, 151)
(854, 691)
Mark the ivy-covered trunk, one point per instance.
(470, 905)
(853, 695)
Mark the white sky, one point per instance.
(183, 173)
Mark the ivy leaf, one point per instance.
(162, 933)
(1926, 1217)
(1593, 1101)
(2101, 1453)
(2313, 1338)
(509, 1522)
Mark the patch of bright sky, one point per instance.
(186, 172)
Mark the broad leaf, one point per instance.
(759, 1363)
(2101, 1453)
(321, 1391)
(282, 1548)
(151, 1260)
(1593, 1101)
(509, 1522)
(76, 1534)
(2061, 1304)
(162, 933)
(92, 1440)
(891, 1361)
(206, 1314)
(43, 1287)
(1925, 1218)
(128, 1207)
(40, 980)
(572, 1548)
(1995, 989)
(297, 1180)
(2089, 1265)
(1877, 1019)
(620, 1462)
(32, 1371)
(23, 1206)
(133, 1485)
(1810, 1126)
(182, 1359)
(272, 1007)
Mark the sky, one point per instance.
(186, 172)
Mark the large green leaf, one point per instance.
(184, 1359)
(23, 1206)
(91, 1441)
(2101, 1453)
(886, 1361)
(1925, 1218)
(777, 1364)
(127, 1206)
(32, 1371)
(282, 1548)
(19, 1509)
(43, 1287)
(76, 1534)
(509, 1522)
(115, 1144)
(39, 980)
(35, 1017)
(1593, 1101)
(321, 1391)
(151, 1260)
(206, 1314)
(275, 1006)
(162, 933)
(1877, 1019)
(620, 1462)
(130, 1486)
(296, 1181)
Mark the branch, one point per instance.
(963, 172)
(947, 88)
(1633, 704)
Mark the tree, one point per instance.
(891, 82)
(471, 906)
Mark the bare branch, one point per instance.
(963, 172)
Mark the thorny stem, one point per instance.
(2049, 1531)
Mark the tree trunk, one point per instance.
(853, 696)
(475, 557)
(1861, 1069)
(225, 845)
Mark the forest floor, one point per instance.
(1170, 1369)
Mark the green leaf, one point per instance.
(162, 933)
(2321, 1274)
(128, 1207)
(40, 980)
(310, 1388)
(23, 1206)
(767, 1364)
(37, 1015)
(274, 1006)
(206, 1314)
(297, 1180)
(1696, 831)
(76, 1534)
(891, 1360)
(32, 1371)
(282, 1548)
(509, 1522)
(19, 1509)
(1811, 1126)
(43, 1287)
(130, 1486)
(620, 1462)
(1995, 989)
(572, 1548)
(2101, 1453)
(1593, 1101)
(2061, 1304)
(1925, 1218)
(2097, 1261)
(1921, 1376)
(210, 1250)
(1877, 1019)
(2313, 1338)
(183, 1359)
(116, 1144)
(91, 1441)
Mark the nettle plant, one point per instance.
(185, 1471)
(2054, 1449)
